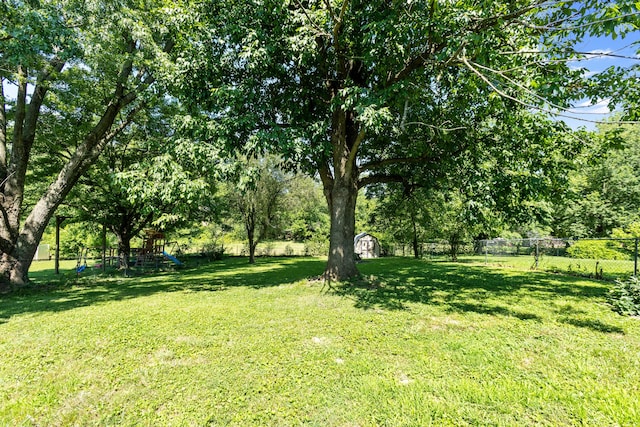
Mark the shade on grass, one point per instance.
(412, 343)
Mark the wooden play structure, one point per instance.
(153, 252)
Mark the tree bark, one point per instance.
(3, 137)
(341, 191)
(416, 249)
(252, 251)
(454, 245)
(252, 246)
(341, 264)
(124, 250)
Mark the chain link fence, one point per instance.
(608, 259)
(597, 258)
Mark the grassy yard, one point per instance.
(591, 268)
(414, 343)
(606, 269)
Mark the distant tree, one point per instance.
(304, 210)
(400, 216)
(604, 190)
(257, 196)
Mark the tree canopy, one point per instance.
(604, 191)
(364, 92)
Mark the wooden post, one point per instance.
(59, 220)
(104, 247)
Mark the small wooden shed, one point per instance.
(366, 246)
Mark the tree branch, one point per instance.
(421, 59)
(380, 179)
(3, 135)
(530, 105)
(351, 161)
(327, 180)
(313, 24)
(424, 158)
(340, 20)
(552, 26)
(394, 161)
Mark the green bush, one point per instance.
(597, 249)
(318, 245)
(212, 251)
(625, 297)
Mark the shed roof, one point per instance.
(360, 236)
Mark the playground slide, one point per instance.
(171, 258)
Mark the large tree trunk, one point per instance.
(249, 214)
(13, 270)
(252, 251)
(416, 248)
(341, 191)
(124, 248)
(454, 246)
(252, 247)
(19, 245)
(341, 264)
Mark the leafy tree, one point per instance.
(511, 176)
(364, 92)
(304, 209)
(604, 191)
(400, 216)
(257, 198)
(143, 179)
(92, 66)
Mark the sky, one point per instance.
(602, 49)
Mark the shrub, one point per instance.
(212, 251)
(597, 249)
(625, 297)
(316, 246)
(267, 249)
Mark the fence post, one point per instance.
(486, 252)
(635, 258)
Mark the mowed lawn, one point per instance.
(413, 343)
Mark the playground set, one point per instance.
(152, 254)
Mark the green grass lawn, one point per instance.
(414, 343)
(606, 269)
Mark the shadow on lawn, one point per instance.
(212, 277)
(394, 283)
(388, 283)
